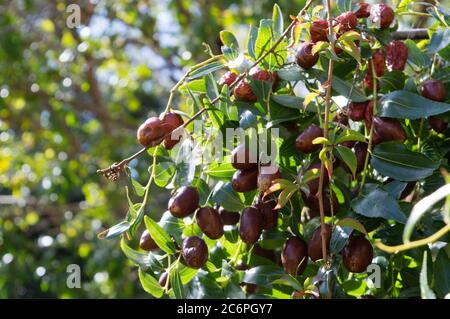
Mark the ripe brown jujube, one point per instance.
(163, 279)
(228, 218)
(250, 226)
(264, 253)
(208, 219)
(315, 243)
(360, 153)
(319, 30)
(146, 242)
(266, 176)
(294, 256)
(304, 56)
(347, 21)
(312, 201)
(363, 10)
(356, 111)
(433, 90)
(381, 15)
(389, 129)
(437, 124)
(269, 214)
(304, 141)
(243, 158)
(171, 121)
(194, 252)
(184, 202)
(263, 75)
(245, 180)
(378, 59)
(243, 92)
(357, 254)
(396, 55)
(228, 78)
(150, 131)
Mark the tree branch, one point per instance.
(413, 34)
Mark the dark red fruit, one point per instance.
(263, 75)
(378, 62)
(243, 92)
(360, 153)
(381, 15)
(228, 78)
(194, 252)
(163, 279)
(266, 176)
(357, 254)
(341, 118)
(184, 202)
(264, 253)
(356, 111)
(269, 214)
(348, 144)
(250, 226)
(313, 185)
(304, 56)
(245, 181)
(228, 218)
(146, 242)
(396, 55)
(363, 10)
(242, 158)
(347, 21)
(368, 114)
(315, 243)
(208, 219)
(389, 129)
(171, 121)
(437, 124)
(368, 81)
(294, 256)
(304, 141)
(319, 30)
(433, 90)
(150, 131)
(312, 201)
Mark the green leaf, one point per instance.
(291, 101)
(339, 239)
(160, 236)
(277, 21)
(224, 195)
(375, 202)
(394, 80)
(115, 231)
(163, 173)
(206, 69)
(196, 86)
(186, 273)
(344, 5)
(342, 87)
(404, 104)
(393, 159)
(348, 157)
(220, 170)
(140, 190)
(439, 40)
(425, 290)
(230, 49)
(211, 87)
(353, 223)
(265, 41)
(141, 259)
(263, 275)
(416, 56)
(349, 135)
(252, 36)
(291, 73)
(150, 284)
(176, 284)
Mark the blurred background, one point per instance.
(70, 102)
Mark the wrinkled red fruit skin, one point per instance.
(208, 219)
(360, 149)
(195, 252)
(269, 214)
(243, 92)
(263, 75)
(241, 158)
(313, 185)
(150, 131)
(318, 30)
(433, 90)
(368, 114)
(228, 218)
(245, 181)
(304, 56)
(437, 124)
(250, 226)
(381, 15)
(304, 141)
(146, 242)
(347, 21)
(368, 80)
(378, 62)
(265, 180)
(396, 55)
(171, 121)
(356, 111)
(315, 243)
(389, 129)
(294, 256)
(363, 10)
(357, 254)
(228, 78)
(184, 202)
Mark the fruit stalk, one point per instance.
(325, 134)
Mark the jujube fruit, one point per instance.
(378, 59)
(208, 219)
(356, 111)
(171, 121)
(264, 253)
(245, 180)
(357, 254)
(347, 21)
(269, 214)
(396, 55)
(146, 242)
(381, 15)
(228, 78)
(294, 256)
(319, 30)
(315, 243)
(304, 141)
(184, 202)
(304, 56)
(150, 131)
(389, 129)
(243, 92)
(437, 124)
(360, 149)
(266, 76)
(363, 10)
(163, 279)
(243, 158)
(250, 226)
(266, 176)
(228, 218)
(194, 252)
(433, 90)
(312, 201)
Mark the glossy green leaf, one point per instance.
(347, 156)
(416, 56)
(439, 40)
(177, 284)
(150, 284)
(206, 69)
(263, 275)
(159, 235)
(425, 290)
(224, 195)
(140, 258)
(277, 19)
(349, 135)
(220, 170)
(115, 231)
